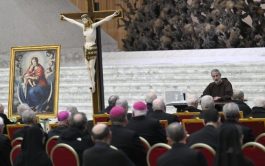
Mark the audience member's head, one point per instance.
(72, 109)
(112, 100)
(78, 120)
(259, 102)
(231, 112)
(139, 109)
(159, 105)
(63, 117)
(101, 133)
(150, 97)
(176, 133)
(216, 76)
(229, 146)
(238, 95)
(207, 102)
(123, 103)
(192, 100)
(2, 125)
(118, 115)
(29, 117)
(211, 116)
(21, 108)
(2, 108)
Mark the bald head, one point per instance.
(78, 120)
(101, 133)
(176, 132)
(159, 105)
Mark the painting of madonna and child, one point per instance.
(34, 79)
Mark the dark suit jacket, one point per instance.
(207, 135)
(128, 141)
(161, 115)
(258, 112)
(148, 128)
(6, 121)
(102, 155)
(243, 107)
(247, 132)
(181, 155)
(57, 131)
(5, 148)
(77, 139)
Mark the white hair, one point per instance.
(159, 104)
(207, 102)
(259, 102)
(150, 97)
(238, 95)
(192, 100)
(123, 103)
(231, 111)
(21, 108)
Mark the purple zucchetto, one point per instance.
(116, 111)
(139, 106)
(63, 115)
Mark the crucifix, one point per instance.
(91, 22)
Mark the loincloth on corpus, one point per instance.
(91, 53)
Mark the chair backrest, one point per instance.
(63, 154)
(192, 125)
(51, 143)
(12, 128)
(164, 123)
(256, 124)
(261, 139)
(187, 115)
(100, 118)
(207, 151)
(16, 150)
(255, 152)
(145, 144)
(155, 152)
(16, 141)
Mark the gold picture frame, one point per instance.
(34, 79)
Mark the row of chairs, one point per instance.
(252, 150)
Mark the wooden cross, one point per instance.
(98, 95)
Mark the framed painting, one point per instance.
(34, 79)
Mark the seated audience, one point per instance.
(101, 154)
(149, 98)
(229, 151)
(146, 127)
(33, 151)
(63, 119)
(5, 146)
(208, 134)
(159, 112)
(180, 154)
(238, 98)
(221, 89)
(125, 139)
(124, 103)
(29, 118)
(258, 111)
(3, 115)
(231, 115)
(192, 102)
(76, 135)
(112, 102)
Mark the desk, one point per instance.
(180, 105)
